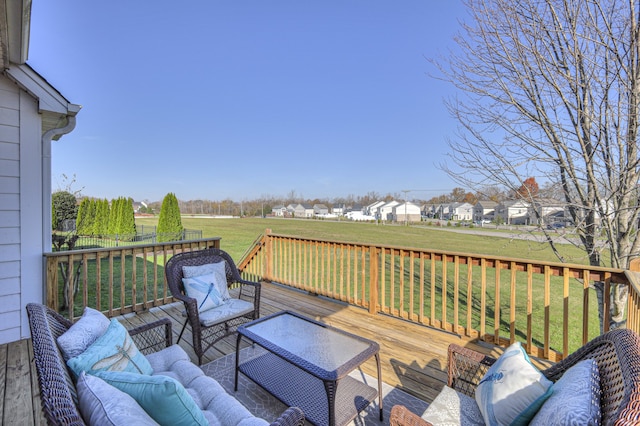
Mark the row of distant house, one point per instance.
(513, 212)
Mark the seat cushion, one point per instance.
(451, 408)
(512, 390)
(218, 407)
(233, 308)
(575, 399)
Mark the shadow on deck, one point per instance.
(413, 357)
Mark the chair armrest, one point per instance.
(249, 290)
(242, 283)
(401, 416)
(292, 416)
(191, 307)
(153, 336)
(466, 368)
(247, 282)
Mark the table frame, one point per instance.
(297, 370)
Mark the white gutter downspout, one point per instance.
(47, 137)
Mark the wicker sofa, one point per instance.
(617, 354)
(58, 391)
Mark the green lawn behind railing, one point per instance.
(238, 235)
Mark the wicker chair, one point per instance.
(616, 352)
(206, 336)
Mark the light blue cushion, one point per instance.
(113, 351)
(219, 272)
(91, 325)
(575, 399)
(104, 405)
(203, 288)
(512, 390)
(162, 397)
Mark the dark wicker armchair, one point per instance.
(205, 336)
(616, 352)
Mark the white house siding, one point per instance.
(409, 214)
(386, 211)
(22, 195)
(10, 302)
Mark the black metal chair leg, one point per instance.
(182, 331)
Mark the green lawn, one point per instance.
(238, 235)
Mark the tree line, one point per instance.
(263, 206)
(100, 218)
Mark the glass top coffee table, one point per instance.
(307, 364)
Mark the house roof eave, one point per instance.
(15, 24)
(54, 107)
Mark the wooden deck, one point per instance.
(413, 357)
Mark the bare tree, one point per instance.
(550, 88)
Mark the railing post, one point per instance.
(51, 295)
(267, 272)
(373, 279)
(633, 298)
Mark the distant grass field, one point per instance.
(238, 235)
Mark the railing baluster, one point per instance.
(456, 292)
(585, 306)
(421, 286)
(469, 325)
(512, 303)
(547, 308)
(529, 307)
(444, 296)
(483, 298)
(497, 305)
(565, 311)
(432, 286)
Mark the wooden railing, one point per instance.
(104, 278)
(550, 307)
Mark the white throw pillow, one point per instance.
(205, 290)
(512, 390)
(103, 404)
(91, 325)
(220, 274)
(575, 399)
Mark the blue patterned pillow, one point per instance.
(219, 272)
(113, 351)
(162, 397)
(512, 390)
(575, 399)
(203, 288)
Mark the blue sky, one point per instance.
(248, 98)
